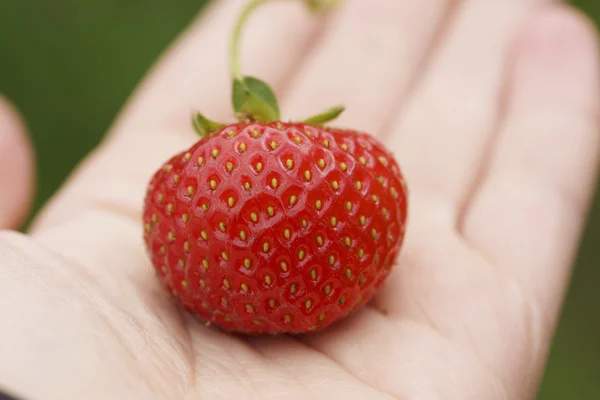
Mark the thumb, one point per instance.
(16, 168)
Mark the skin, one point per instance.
(491, 108)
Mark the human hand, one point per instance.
(491, 108)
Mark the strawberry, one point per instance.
(276, 227)
(265, 226)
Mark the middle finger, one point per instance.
(367, 60)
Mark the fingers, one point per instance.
(367, 60)
(16, 168)
(193, 75)
(442, 136)
(528, 213)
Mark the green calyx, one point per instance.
(204, 126)
(325, 117)
(252, 99)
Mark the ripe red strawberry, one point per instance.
(276, 227)
(271, 227)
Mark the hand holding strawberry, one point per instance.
(468, 311)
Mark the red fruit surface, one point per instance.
(276, 227)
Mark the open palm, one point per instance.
(491, 108)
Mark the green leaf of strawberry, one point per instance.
(254, 100)
(325, 117)
(205, 127)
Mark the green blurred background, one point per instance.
(69, 65)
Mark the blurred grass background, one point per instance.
(69, 65)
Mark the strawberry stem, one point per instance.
(317, 6)
(252, 99)
(234, 53)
